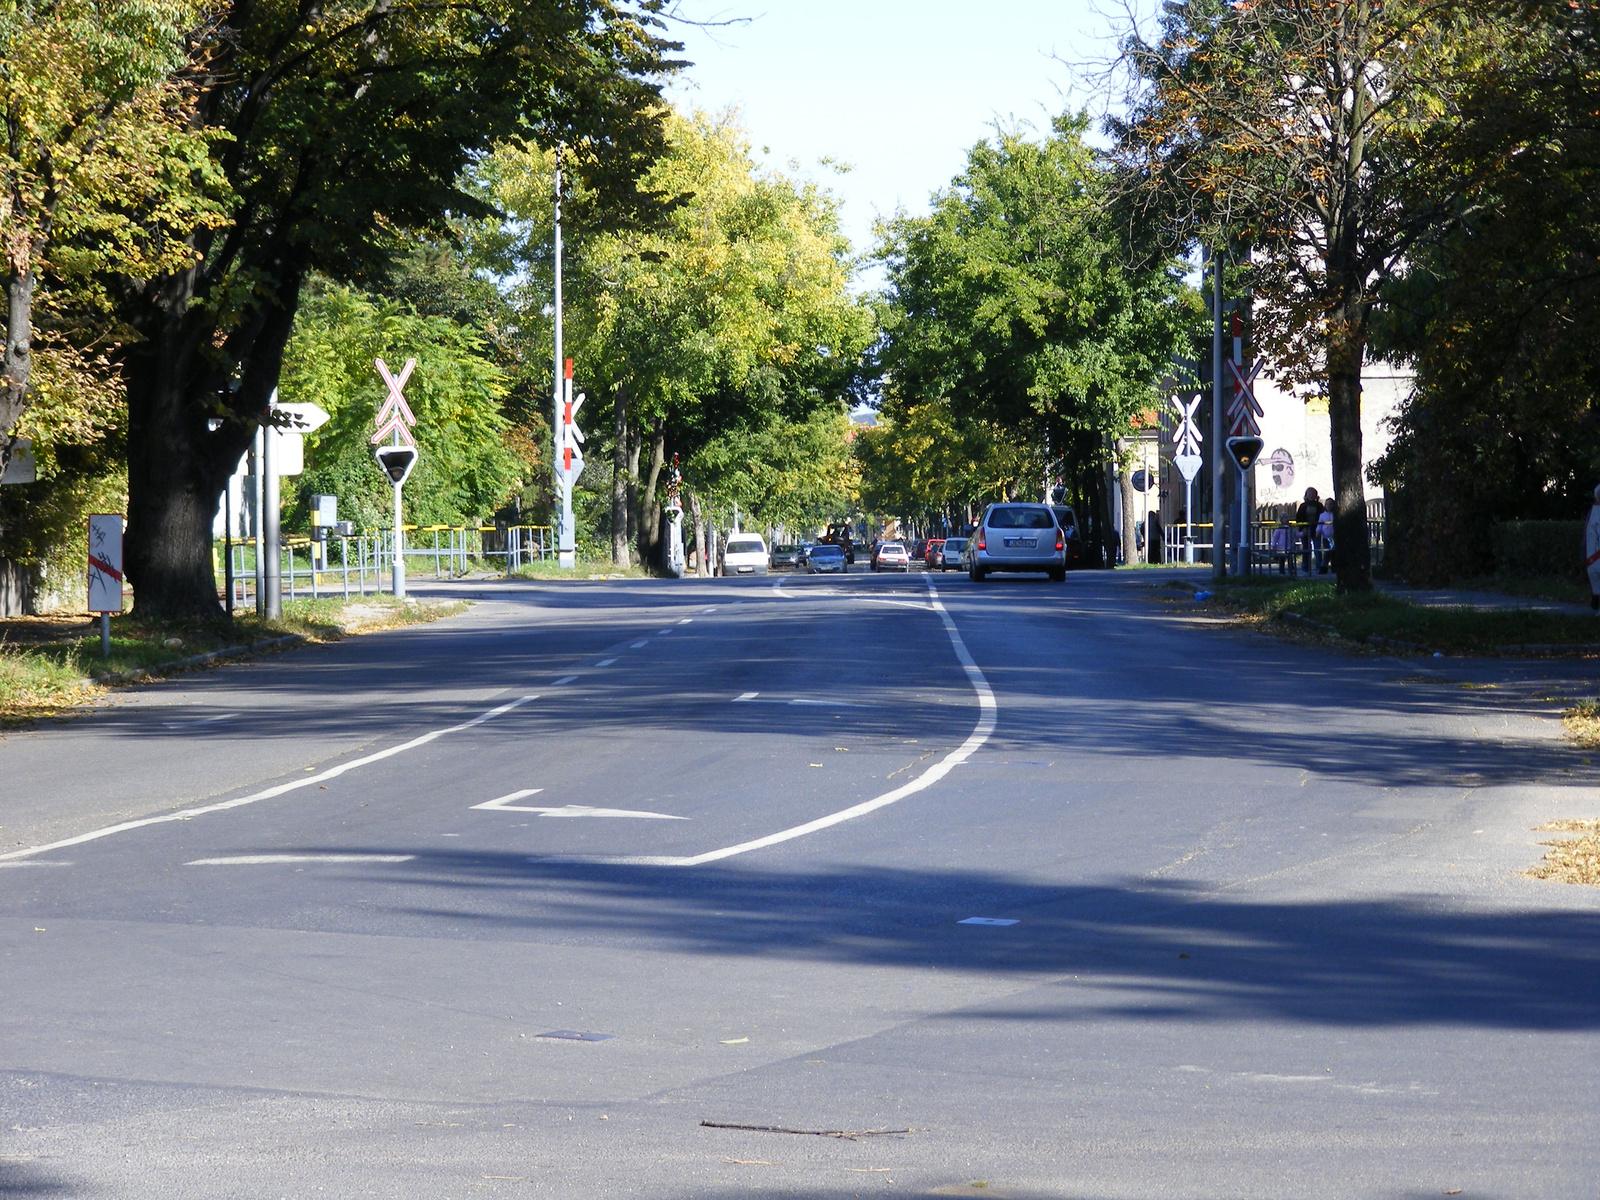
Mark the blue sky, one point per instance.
(898, 89)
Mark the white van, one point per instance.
(744, 554)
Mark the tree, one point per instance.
(344, 126)
(1320, 137)
(1029, 314)
(728, 317)
(101, 172)
(1496, 317)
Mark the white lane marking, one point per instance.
(981, 732)
(987, 921)
(640, 645)
(269, 793)
(832, 703)
(686, 621)
(660, 632)
(193, 721)
(262, 860)
(36, 863)
(709, 608)
(605, 662)
(746, 696)
(505, 801)
(583, 810)
(565, 679)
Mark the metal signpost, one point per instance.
(1188, 461)
(105, 572)
(568, 466)
(1244, 441)
(396, 459)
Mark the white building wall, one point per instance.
(1295, 428)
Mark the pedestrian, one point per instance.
(1591, 553)
(1305, 519)
(1325, 537)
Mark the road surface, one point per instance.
(1094, 897)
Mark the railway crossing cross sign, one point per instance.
(1188, 439)
(394, 417)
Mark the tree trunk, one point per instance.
(1105, 537)
(635, 437)
(649, 507)
(17, 365)
(698, 516)
(177, 465)
(619, 476)
(1352, 559)
(1130, 540)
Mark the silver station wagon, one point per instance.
(1017, 537)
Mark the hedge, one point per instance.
(1538, 549)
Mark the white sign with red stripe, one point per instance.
(570, 464)
(105, 563)
(395, 415)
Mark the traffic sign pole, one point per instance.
(394, 420)
(267, 547)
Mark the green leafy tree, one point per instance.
(101, 171)
(344, 128)
(1033, 318)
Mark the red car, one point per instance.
(933, 552)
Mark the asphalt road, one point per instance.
(1252, 918)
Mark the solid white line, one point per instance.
(605, 662)
(269, 793)
(565, 679)
(260, 860)
(980, 734)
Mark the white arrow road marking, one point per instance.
(261, 860)
(504, 804)
(981, 732)
(268, 793)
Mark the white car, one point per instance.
(744, 554)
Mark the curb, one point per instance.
(195, 660)
(1558, 649)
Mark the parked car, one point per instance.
(1068, 520)
(784, 556)
(1017, 537)
(919, 550)
(950, 554)
(932, 552)
(891, 556)
(825, 558)
(744, 554)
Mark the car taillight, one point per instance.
(1060, 544)
(981, 544)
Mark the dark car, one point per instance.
(1068, 520)
(919, 550)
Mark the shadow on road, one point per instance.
(1149, 952)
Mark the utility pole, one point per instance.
(1219, 543)
(272, 580)
(566, 536)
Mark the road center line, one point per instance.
(981, 732)
(565, 679)
(639, 645)
(259, 860)
(605, 662)
(269, 793)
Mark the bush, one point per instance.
(1535, 549)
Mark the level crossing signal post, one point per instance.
(396, 459)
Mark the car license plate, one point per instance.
(1028, 543)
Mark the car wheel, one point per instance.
(1059, 575)
(976, 575)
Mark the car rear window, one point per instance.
(1020, 518)
(745, 546)
(827, 552)
(955, 543)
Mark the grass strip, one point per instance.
(48, 668)
(1571, 859)
(1386, 620)
(595, 569)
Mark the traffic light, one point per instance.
(1244, 451)
(396, 461)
